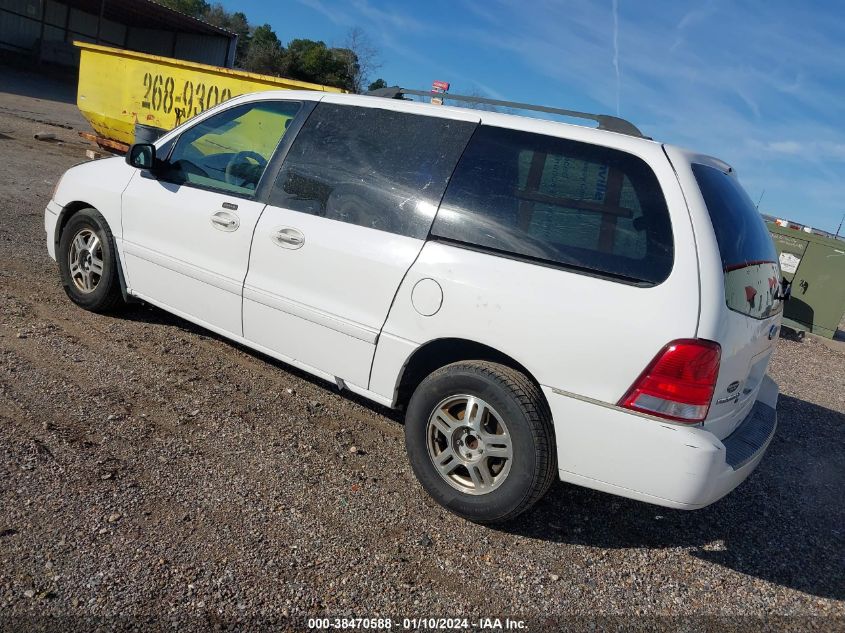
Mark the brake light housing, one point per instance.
(678, 383)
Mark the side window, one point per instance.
(561, 201)
(376, 168)
(230, 150)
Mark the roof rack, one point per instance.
(605, 121)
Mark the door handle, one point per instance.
(288, 237)
(224, 221)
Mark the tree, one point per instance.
(265, 59)
(235, 22)
(194, 8)
(365, 55)
(264, 35)
(346, 68)
(264, 53)
(378, 84)
(313, 61)
(260, 50)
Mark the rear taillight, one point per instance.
(678, 384)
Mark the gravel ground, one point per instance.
(152, 474)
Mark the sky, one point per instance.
(759, 84)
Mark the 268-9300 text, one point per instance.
(161, 94)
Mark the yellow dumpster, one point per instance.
(119, 88)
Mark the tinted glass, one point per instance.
(375, 168)
(749, 258)
(740, 230)
(561, 201)
(230, 150)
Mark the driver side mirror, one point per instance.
(141, 156)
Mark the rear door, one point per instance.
(750, 316)
(350, 210)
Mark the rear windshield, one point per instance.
(749, 258)
(740, 231)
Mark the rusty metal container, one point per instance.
(119, 88)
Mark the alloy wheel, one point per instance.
(85, 260)
(469, 444)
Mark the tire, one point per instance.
(509, 416)
(88, 262)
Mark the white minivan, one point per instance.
(543, 300)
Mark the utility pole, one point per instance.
(760, 200)
(840, 226)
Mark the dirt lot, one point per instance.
(152, 474)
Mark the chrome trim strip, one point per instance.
(183, 268)
(294, 308)
(615, 407)
(270, 352)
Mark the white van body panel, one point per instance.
(622, 453)
(323, 303)
(98, 184)
(175, 252)
(572, 331)
(565, 328)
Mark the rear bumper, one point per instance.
(610, 449)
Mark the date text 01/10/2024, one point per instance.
(417, 624)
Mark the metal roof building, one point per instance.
(46, 29)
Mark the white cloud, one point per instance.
(809, 150)
(753, 83)
(785, 147)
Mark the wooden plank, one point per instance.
(535, 174)
(607, 233)
(572, 203)
(105, 142)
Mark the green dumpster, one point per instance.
(816, 267)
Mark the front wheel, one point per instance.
(88, 263)
(480, 439)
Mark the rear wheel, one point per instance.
(88, 263)
(480, 440)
